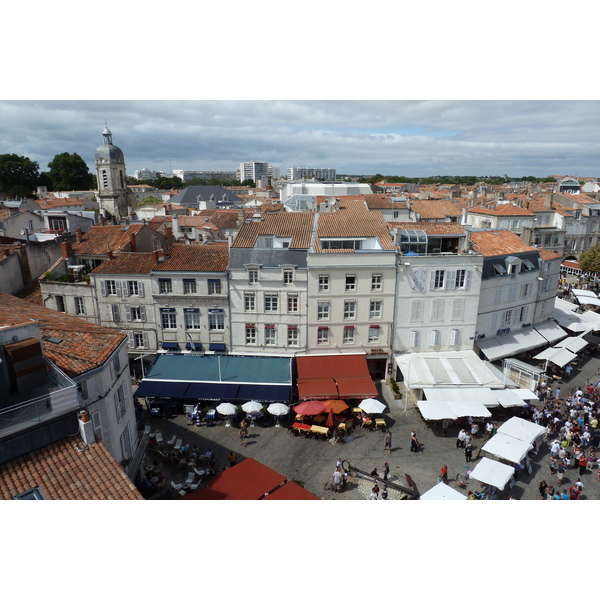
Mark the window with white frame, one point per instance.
(512, 293)
(249, 302)
(111, 287)
(189, 286)
(97, 423)
(322, 311)
(136, 313)
(350, 283)
(133, 288)
(375, 309)
(547, 282)
(168, 318)
(165, 286)
(271, 302)
(349, 309)
(115, 313)
(270, 335)
(413, 338)
(454, 337)
(374, 334)
(376, 282)
(192, 318)
(214, 286)
(525, 290)
(252, 275)
(508, 316)
(292, 303)
(437, 279)
(523, 314)
(139, 339)
(323, 283)
(434, 337)
(126, 443)
(462, 279)
(348, 337)
(288, 276)
(437, 309)
(79, 305)
(458, 309)
(216, 320)
(323, 335)
(251, 335)
(416, 311)
(292, 335)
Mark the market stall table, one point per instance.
(380, 423)
(318, 430)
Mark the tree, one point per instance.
(70, 172)
(168, 183)
(18, 173)
(590, 259)
(149, 200)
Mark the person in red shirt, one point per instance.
(574, 492)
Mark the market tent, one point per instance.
(567, 316)
(574, 344)
(507, 447)
(441, 491)
(524, 394)
(558, 356)
(458, 394)
(435, 410)
(511, 343)
(464, 408)
(507, 398)
(588, 300)
(522, 429)
(584, 293)
(493, 473)
(550, 330)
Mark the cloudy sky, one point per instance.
(412, 138)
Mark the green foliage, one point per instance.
(18, 174)
(394, 386)
(298, 482)
(590, 259)
(168, 183)
(149, 200)
(249, 183)
(69, 172)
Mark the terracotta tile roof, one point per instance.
(507, 209)
(51, 202)
(4, 213)
(31, 293)
(296, 225)
(138, 263)
(157, 223)
(353, 220)
(430, 228)
(195, 257)
(64, 473)
(436, 209)
(562, 210)
(498, 243)
(100, 238)
(84, 346)
(378, 201)
(548, 254)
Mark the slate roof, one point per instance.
(124, 263)
(84, 346)
(100, 238)
(296, 225)
(498, 243)
(64, 473)
(189, 196)
(195, 257)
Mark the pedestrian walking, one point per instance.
(387, 442)
(242, 437)
(384, 493)
(582, 464)
(232, 458)
(414, 442)
(542, 488)
(488, 430)
(469, 452)
(444, 474)
(560, 473)
(386, 470)
(445, 427)
(337, 479)
(460, 439)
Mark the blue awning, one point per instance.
(264, 393)
(216, 391)
(197, 346)
(217, 347)
(162, 389)
(170, 346)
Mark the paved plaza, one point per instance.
(311, 462)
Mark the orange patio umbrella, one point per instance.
(336, 405)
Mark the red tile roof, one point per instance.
(295, 225)
(435, 209)
(51, 202)
(507, 209)
(84, 346)
(62, 472)
(498, 243)
(124, 263)
(548, 254)
(195, 257)
(430, 228)
(100, 238)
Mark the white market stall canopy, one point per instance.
(462, 368)
(522, 429)
(524, 394)
(551, 330)
(493, 473)
(441, 491)
(434, 410)
(507, 447)
(574, 344)
(558, 356)
(565, 313)
(511, 343)
(584, 293)
(479, 395)
(507, 398)
(588, 300)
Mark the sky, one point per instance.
(391, 137)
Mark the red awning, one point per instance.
(349, 365)
(248, 480)
(291, 491)
(317, 389)
(356, 388)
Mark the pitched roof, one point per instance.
(51, 202)
(295, 225)
(507, 209)
(84, 346)
(435, 209)
(195, 257)
(124, 263)
(498, 243)
(63, 472)
(548, 254)
(430, 228)
(101, 238)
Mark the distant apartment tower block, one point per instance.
(186, 176)
(254, 170)
(147, 174)
(294, 173)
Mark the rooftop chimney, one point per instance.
(109, 255)
(133, 242)
(78, 235)
(65, 248)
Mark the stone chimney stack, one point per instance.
(133, 242)
(65, 248)
(78, 235)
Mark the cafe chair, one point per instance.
(178, 444)
(172, 440)
(194, 486)
(199, 472)
(159, 437)
(147, 430)
(176, 486)
(190, 478)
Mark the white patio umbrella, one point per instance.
(252, 407)
(278, 410)
(226, 408)
(372, 406)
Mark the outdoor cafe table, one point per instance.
(380, 423)
(301, 427)
(319, 430)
